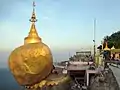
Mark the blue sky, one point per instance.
(64, 25)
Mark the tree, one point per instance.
(113, 39)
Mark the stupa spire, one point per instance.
(33, 18)
(112, 47)
(33, 35)
(106, 46)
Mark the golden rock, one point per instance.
(31, 63)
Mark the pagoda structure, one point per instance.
(115, 53)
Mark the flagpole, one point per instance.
(94, 38)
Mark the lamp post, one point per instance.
(94, 48)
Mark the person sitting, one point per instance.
(54, 70)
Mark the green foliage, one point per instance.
(113, 39)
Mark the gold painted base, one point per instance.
(53, 80)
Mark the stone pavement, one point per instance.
(116, 72)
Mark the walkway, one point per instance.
(116, 72)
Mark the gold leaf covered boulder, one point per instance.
(31, 62)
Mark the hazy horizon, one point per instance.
(58, 55)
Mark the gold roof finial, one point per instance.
(112, 47)
(106, 46)
(33, 35)
(33, 18)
